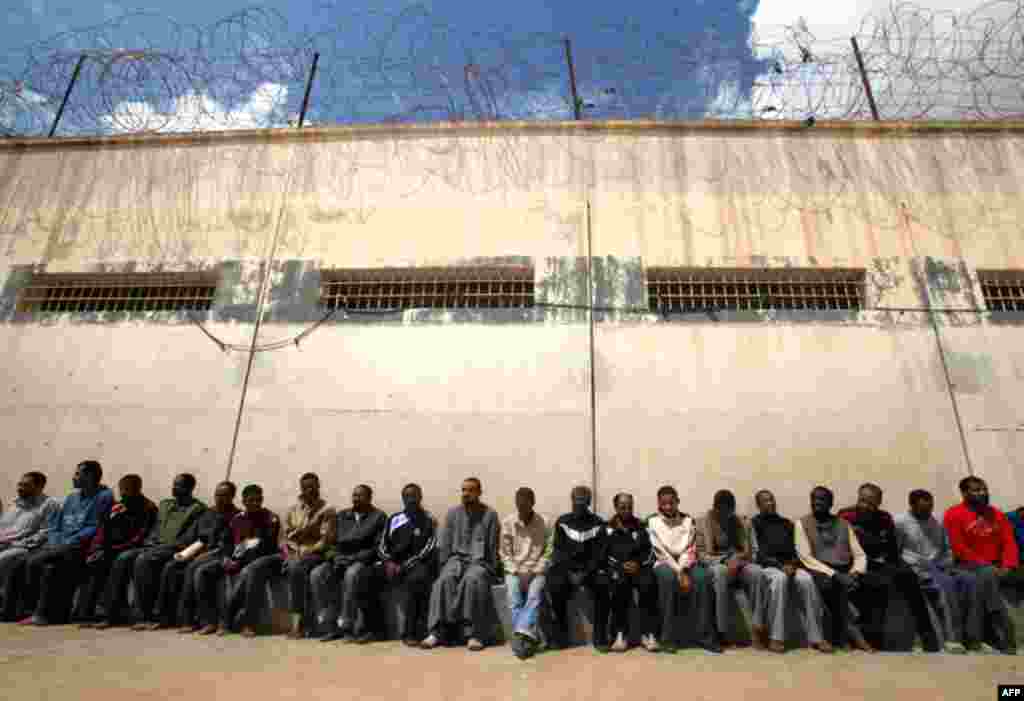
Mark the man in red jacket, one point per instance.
(982, 540)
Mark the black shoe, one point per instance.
(712, 646)
(602, 648)
(363, 638)
(336, 634)
(930, 643)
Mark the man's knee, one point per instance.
(355, 574)
(775, 579)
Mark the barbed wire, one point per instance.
(144, 72)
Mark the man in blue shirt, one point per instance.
(49, 570)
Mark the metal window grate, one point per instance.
(501, 287)
(118, 292)
(1003, 290)
(737, 289)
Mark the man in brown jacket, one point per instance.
(309, 531)
(724, 547)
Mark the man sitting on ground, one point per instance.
(249, 552)
(887, 573)
(828, 547)
(407, 560)
(983, 543)
(346, 578)
(576, 559)
(308, 532)
(461, 596)
(205, 536)
(23, 529)
(684, 590)
(142, 565)
(124, 527)
(723, 548)
(773, 548)
(51, 572)
(924, 547)
(524, 553)
(628, 566)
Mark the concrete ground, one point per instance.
(65, 664)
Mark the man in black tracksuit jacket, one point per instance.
(575, 561)
(346, 577)
(628, 565)
(407, 561)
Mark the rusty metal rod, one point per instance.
(576, 105)
(864, 78)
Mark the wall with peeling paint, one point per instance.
(745, 400)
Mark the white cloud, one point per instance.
(264, 109)
(943, 78)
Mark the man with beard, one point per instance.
(772, 544)
(342, 584)
(525, 555)
(576, 559)
(723, 547)
(924, 547)
(23, 529)
(204, 540)
(461, 596)
(983, 543)
(406, 553)
(887, 573)
(828, 547)
(123, 528)
(628, 566)
(684, 589)
(51, 571)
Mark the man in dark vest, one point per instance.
(876, 532)
(829, 549)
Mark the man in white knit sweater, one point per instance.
(684, 589)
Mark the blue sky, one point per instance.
(392, 59)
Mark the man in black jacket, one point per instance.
(628, 566)
(575, 561)
(347, 574)
(407, 561)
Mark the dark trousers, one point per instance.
(95, 576)
(836, 600)
(298, 571)
(873, 594)
(119, 574)
(412, 591)
(51, 574)
(188, 599)
(200, 598)
(621, 590)
(172, 581)
(146, 576)
(562, 580)
(249, 592)
(696, 609)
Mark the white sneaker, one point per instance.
(651, 643)
(430, 642)
(620, 644)
(954, 648)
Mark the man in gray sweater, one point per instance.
(924, 545)
(469, 558)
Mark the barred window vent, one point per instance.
(1003, 290)
(740, 289)
(500, 287)
(118, 292)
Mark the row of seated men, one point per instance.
(841, 570)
